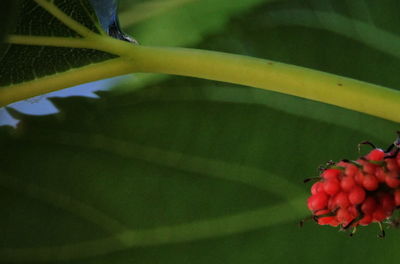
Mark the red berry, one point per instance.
(392, 180)
(351, 170)
(328, 220)
(347, 183)
(322, 212)
(325, 220)
(366, 220)
(376, 155)
(342, 164)
(353, 211)
(370, 182)
(387, 203)
(398, 160)
(317, 201)
(391, 164)
(331, 186)
(356, 195)
(341, 200)
(379, 215)
(344, 216)
(359, 178)
(380, 174)
(367, 167)
(331, 203)
(334, 223)
(369, 205)
(317, 188)
(330, 174)
(397, 197)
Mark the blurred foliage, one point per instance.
(195, 171)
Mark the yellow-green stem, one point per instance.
(268, 75)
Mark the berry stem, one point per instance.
(381, 233)
(353, 162)
(365, 143)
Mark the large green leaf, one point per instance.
(128, 179)
(22, 63)
(194, 171)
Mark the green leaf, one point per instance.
(25, 63)
(130, 179)
(126, 186)
(195, 171)
(314, 85)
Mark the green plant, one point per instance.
(191, 170)
(257, 73)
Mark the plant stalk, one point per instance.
(269, 75)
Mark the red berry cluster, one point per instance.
(360, 192)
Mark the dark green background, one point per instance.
(216, 168)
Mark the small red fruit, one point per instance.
(356, 195)
(376, 155)
(317, 188)
(367, 167)
(330, 174)
(352, 193)
(351, 170)
(341, 200)
(380, 174)
(322, 212)
(387, 203)
(317, 201)
(391, 165)
(344, 216)
(379, 215)
(370, 182)
(397, 197)
(369, 205)
(366, 220)
(359, 177)
(328, 220)
(331, 186)
(347, 183)
(392, 180)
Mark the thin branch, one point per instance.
(55, 82)
(323, 87)
(311, 84)
(49, 41)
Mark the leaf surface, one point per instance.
(194, 171)
(23, 63)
